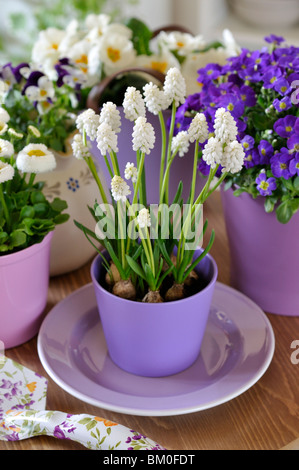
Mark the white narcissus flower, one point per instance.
(35, 158)
(111, 115)
(6, 172)
(212, 153)
(133, 104)
(119, 188)
(143, 218)
(42, 92)
(225, 126)
(198, 129)
(6, 148)
(175, 86)
(233, 157)
(180, 143)
(143, 136)
(154, 98)
(88, 121)
(80, 150)
(131, 172)
(106, 139)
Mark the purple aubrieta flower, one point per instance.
(266, 152)
(293, 143)
(247, 95)
(282, 105)
(294, 165)
(265, 185)
(280, 164)
(271, 77)
(209, 72)
(248, 142)
(284, 127)
(273, 39)
(233, 104)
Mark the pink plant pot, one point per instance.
(24, 282)
(154, 340)
(264, 254)
(181, 169)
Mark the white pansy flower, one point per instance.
(233, 157)
(119, 188)
(35, 158)
(116, 52)
(198, 129)
(133, 104)
(212, 153)
(143, 136)
(175, 86)
(143, 218)
(180, 143)
(42, 91)
(46, 49)
(180, 42)
(80, 150)
(225, 126)
(131, 172)
(3, 127)
(111, 115)
(3, 90)
(6, 148)
(88, 121)
(230, 45)
(154, 98)
(161, 62)
(79, 54)
(97, 21)
(4, 116)
(6, 172)
(106, 139)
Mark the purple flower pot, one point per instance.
(264, 254)
(24, 281)
(154, 340)
(181, 169)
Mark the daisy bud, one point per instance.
(131, 172)
(14, 134)
(224, 125)
(198, 129)
(143, 136)
(154, 98)
(88, 121)
(35, 158)
(111, 115)
(175, 86)
(34, 131)
(106, 139)
(143, 218)
(119, 188)
(133, 104)
(6, 172)
(180, 143)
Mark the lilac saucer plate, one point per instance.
(237, 349)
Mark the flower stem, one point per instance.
(165, 179)
(163, 149)
(94, 172)
(139, 177)
(5, 210)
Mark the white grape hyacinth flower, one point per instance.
(120, 190)
(175, 86)
(111, 115)
(225, 126)
(35, 158)
(198, 129)
(88, 121)
(6, 148)
(80, 150)
(6, 172)
(155, 99)
(233, 157)
(106, 139)
(131, 172)
(143, 218)
(143, 136)
(133, 104)
(180, 143)
(212, 153)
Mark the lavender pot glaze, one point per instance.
(24, 282)
(154, 340)
(264, 254)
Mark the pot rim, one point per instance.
(25, 252)
(208, 286)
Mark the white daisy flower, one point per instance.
(143, 218)
(154, 98)
(88, 121)
(119, 188)
(233, 157)
(175, 86)
(4, 116)
(143, 135)
(80, 150)
(6, 172)
(198, 129)
(106, 139)
(225, 126)
(35, 158)
(42, 92)
(133, 104)
(180, 143)
(131, 172)
(111, 115)
(6, 148)
(212, 153)
(3, 127)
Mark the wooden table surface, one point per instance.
(264, 417)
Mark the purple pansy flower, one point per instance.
(284, 127)
(280, 164)
(265, 185)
